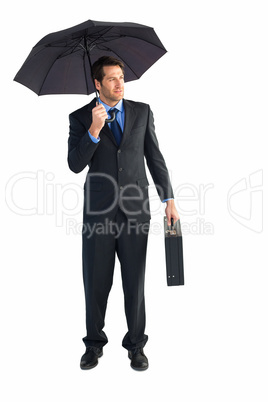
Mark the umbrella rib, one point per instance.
(77, 44)
(84, 62)
(147, 41)
(105, 31)
(74, 47)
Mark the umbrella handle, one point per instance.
(112, 118)
(111, 113)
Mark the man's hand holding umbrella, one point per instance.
(99, 115)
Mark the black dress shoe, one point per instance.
(138, 359)
(90, 359)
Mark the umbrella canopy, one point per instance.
(60, 63)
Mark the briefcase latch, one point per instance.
(171, 232)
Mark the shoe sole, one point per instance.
(89, 368)
(139, 369)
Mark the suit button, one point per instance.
(120, 169)
(119, 151)
(121, 187)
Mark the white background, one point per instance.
(208, 339)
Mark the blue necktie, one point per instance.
(116, 130)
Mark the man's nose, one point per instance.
(118, 83)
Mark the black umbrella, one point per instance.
(60, 63)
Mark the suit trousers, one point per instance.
(101, 243)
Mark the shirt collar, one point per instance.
(118, 106)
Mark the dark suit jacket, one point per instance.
(117, 175)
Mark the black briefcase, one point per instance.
(174, 253)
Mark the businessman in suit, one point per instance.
(116, 212)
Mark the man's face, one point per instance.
(112, 87)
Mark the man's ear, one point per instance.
(97, 84)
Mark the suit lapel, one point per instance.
(130, 115)
(107, 131)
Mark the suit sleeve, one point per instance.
(155, 161)
(80, 147)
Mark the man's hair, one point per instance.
(97, 68)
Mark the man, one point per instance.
(116, 208)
